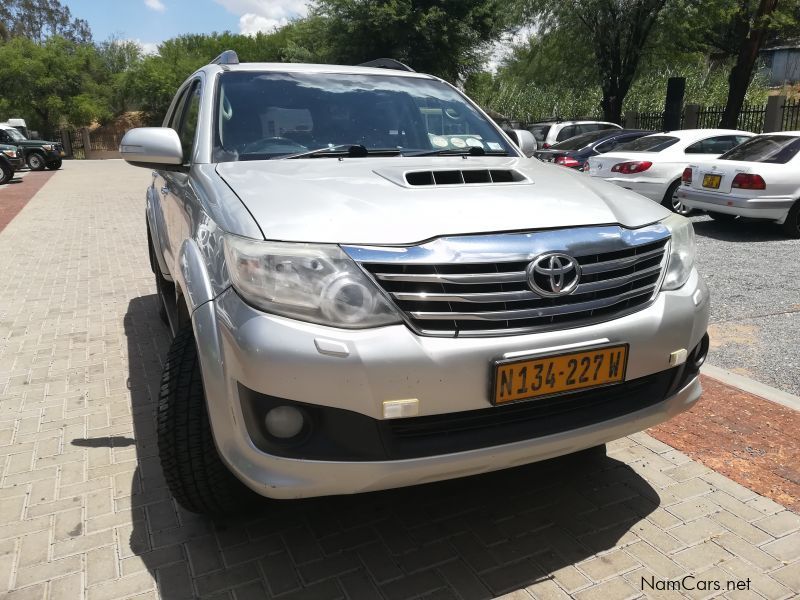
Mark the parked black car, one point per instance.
(10, 161)
(575, 151)
(38, 154)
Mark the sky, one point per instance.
(152, 21)
(149, 22)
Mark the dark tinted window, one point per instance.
(776, 149)
(586, 128)
(714, 145)
(650, 143)
(580, 141)
(567, 132)
(189, 120)
(540, 132)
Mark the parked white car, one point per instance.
(653, 165)
(548, 133)
(759, 179)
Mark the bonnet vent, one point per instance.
(464, 177)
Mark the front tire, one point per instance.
(36, 162)
(791, 226)
(54, 165)
(6, 173)
(672, 202)
(193, 469)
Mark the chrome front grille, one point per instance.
(481, 289)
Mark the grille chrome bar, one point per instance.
(533, 313)
(619, 263)
(466, 297)
(477, 286)
(476, 278)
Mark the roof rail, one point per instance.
(387, 63)
(229, 57)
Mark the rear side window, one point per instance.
(567, 132)
(775, 149)
(649, 143)
(714, 145)
(540, 132)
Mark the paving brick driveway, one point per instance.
(84, 511)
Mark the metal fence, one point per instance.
(751, 118)
(71, 140)
(109, 141)
(653, 121)
(709, 117)
(791, 116)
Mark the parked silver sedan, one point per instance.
(370, 286)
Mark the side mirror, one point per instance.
(153, 148)
(525, 141)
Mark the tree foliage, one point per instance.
(38, 20)
(55, 80)
(448, 38)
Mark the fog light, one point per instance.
(284, 422)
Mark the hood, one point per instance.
(368, 201)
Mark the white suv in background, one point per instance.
(549, 133)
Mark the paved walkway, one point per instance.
(84, 511)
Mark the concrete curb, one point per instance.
(752, 386)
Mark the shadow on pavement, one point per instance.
(740, 230)
(477, 537)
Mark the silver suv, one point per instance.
(370, 286)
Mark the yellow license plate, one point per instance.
(712, 181)
(535, 377)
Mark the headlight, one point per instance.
(47, 147)
(309, 282)
(681, 252)
(11, 153)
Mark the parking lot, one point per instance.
(84, 509)
(754, 275)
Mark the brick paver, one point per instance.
(84, 511)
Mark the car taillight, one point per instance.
(629, 168)
(686, 178)
(747, 181)
(545, 145)
(568, 161)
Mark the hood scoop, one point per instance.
(464, 177)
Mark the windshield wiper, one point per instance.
(472, 151)
(349, 150)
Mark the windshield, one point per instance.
(270, 115)
(649, 143)
(580, 141)
(15, 135)
(776, 149)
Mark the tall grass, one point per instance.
(528, 102)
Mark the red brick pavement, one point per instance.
(15, 195)
(742, 436)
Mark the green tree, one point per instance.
(448, 38)
(52, 82)
(38, 20)
(617, 31)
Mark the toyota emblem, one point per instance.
(553, 274)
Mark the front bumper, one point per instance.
(773, 208)
(241, 347)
